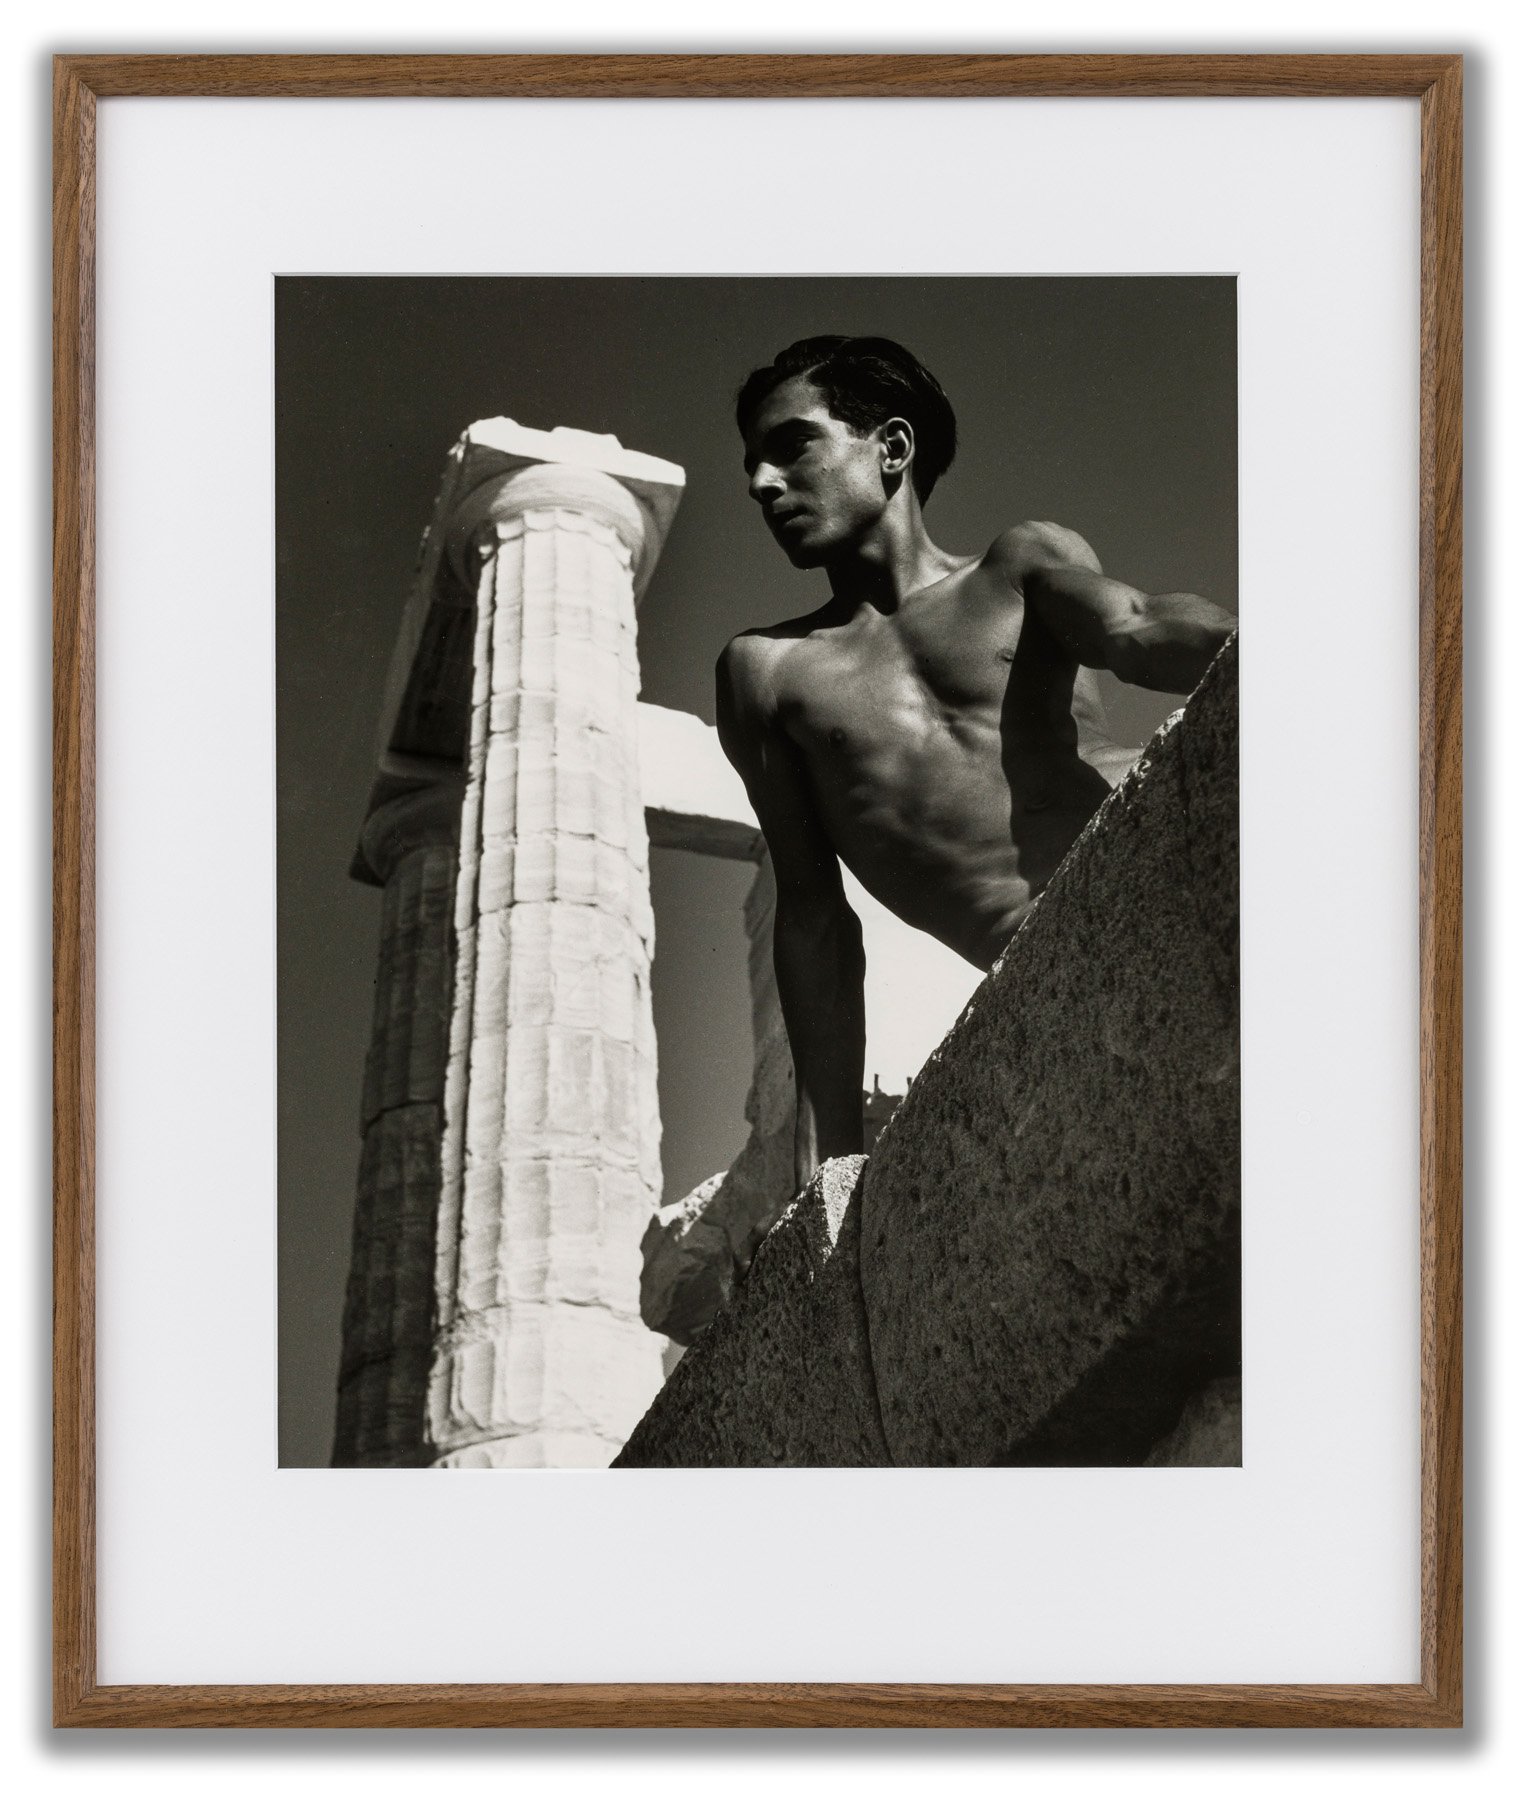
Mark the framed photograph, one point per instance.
(820, 997)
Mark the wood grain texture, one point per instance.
(1437, 1699)
(73, 890)
(800, 1705)
(1441, 874)
(739, 77)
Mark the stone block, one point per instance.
(1209, 1432)
(688, 1263)
(782, 1377)
(1051, 1225)
(1047, 1243)
(694, 798)
(695, 1249)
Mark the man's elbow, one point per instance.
(1136, 646)
(1167, 642)
(1127, 655)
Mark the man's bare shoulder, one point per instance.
(748, 668)
(1034, 545)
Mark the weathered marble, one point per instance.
(782, 1377)
(549, 1165)
(411, 844)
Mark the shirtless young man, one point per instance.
(935, 725)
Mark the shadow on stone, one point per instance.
(781, 1378)
(1051, 1224)
(1043, 1264)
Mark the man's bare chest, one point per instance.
(944, 669)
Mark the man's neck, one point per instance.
(896, 560)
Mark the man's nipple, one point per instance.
(836, 737)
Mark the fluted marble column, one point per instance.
(550, 1158)
(410, 845)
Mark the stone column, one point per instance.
(550, 1159)
(410, 845)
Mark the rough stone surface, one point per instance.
(781, 1378)
(1050, 1250)
(689, 1261)
(696, 1250)
(388, 1312)
(1042, 1264)
(549, 1158)
(1209, 1432)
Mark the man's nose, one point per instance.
(764, 484)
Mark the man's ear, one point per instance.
(899, 442)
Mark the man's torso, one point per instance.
(954, 749)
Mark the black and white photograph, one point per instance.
(757, 871)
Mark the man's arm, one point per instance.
(818, 943)
(1162, 641)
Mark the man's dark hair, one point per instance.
(864, 381)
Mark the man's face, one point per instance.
(821, 488)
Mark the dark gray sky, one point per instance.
(1105, 403)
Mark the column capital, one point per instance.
(504, 470)
(417, 820)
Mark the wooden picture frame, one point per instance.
(1436, 1700)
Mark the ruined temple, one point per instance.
(1039, 1260)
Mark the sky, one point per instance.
(1107, 404)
